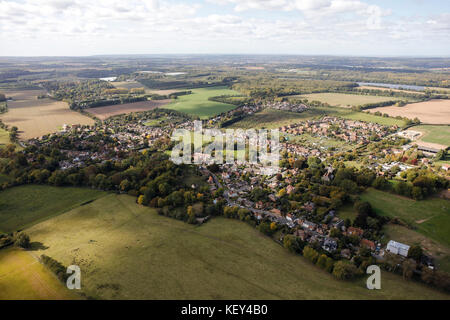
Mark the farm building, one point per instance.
(397, 248)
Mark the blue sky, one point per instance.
(329, 27)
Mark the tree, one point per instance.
(363, 207)
(344, 271)
(415, 252)
(322, 261)
(22, 240)
(408, 267)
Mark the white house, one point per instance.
(397, 248)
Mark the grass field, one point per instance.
(4, 137)
(197, 102)
(346, 100)
(271, 118)
(128, 251)
(431, 217)
(37, 117)
(412, 237)
(435, 111)
(24, 206)
(22, 277)
(434, 134)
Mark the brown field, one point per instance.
(37, 117)
(134, 84)
(108, 111)
(433, 112)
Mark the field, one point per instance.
(197, 103)
(431, 217)
(346, 100)
(128, 251)
(271, 118)
(432, 112)
(411, 237)
(23, 277)
(434, 134)
(108, 111)
(37, 117)
(389, 89)
(24, 206)
(4, 137)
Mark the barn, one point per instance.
(397, 248)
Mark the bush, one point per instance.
(344, 271)
(56, 267)
(22, 240)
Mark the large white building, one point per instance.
(397, 248)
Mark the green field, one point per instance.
(24, 206)
(22, 277)
(434, 134)
(128, 251)
(431, 217)
(347, 100)
(197, 102)
(271, 118)
(4, 137)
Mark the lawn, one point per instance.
(22, 277)
(127, 251)
(431, 217)
(24, 206)
(197, 102)
(347, 100)
(434, 134)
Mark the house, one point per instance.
(355, 231)
(446, 167)
(329, 245)
(290, 189)
(309, 225)
(397, 248)
(276, 212)
(345, 253)
(368, 244)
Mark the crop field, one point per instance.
(197, 103)
(4, 137)
(431, 217)
(128, 251)
(108, 111)
(346, 100)
(434, 134)
(389, 89)
(24, 206)
(37, 117)
(22, 277)
(271, 118)
(432, 112)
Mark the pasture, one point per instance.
(271, 118)
(26, 205)
(435, 111)
(105, 112)
(197, 102)
(37, 117)
(346, 100)
(434, 134)
(127, 251)
(431, 217)
(23, 277)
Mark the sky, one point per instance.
(325, 27)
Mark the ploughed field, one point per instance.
(108, 111)
(129, 251)
(435, 111)
(36, 117)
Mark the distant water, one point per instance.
(392, 86)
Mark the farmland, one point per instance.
(435, 111)
(37, 117)
(270, 118)
(23, 277)
(144, 255)
(346, 100)
(197, 102)
(26, 205)
(431, 216)
(103, 113)
(434, 134)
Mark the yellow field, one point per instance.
(37, 117)
(23, 277)
(435, 111)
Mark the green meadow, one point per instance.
(434, 134)
(197, 102)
